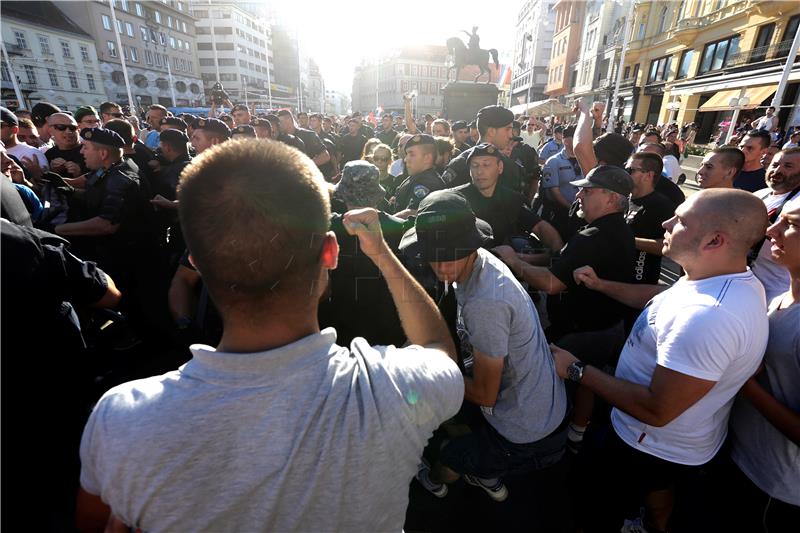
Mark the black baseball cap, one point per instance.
(41, 111)
(607, 177)
(445, 229)
(8, 118)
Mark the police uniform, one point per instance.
(113, 194)
(558, 172)
(387, 137)
(551, 148)
(415, 188)
(214, 126)
(174, 123)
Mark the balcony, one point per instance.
(761, 54)
(15, 50)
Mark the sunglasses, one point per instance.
(380, 158)
(631, 170)
(64, 127)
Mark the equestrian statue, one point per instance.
(470, 55)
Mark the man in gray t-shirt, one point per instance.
(510, 375)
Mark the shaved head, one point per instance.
(60, 118)
(740, 215)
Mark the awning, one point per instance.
(722, 100)
(542, 108)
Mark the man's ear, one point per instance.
(500, 164)
(715, 241)
(330, 251)
(191, 262)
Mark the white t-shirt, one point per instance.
(766, 123)
(713, 329)
(773, 276)
(310, 436)
(531, 139)
(672, 168)
(21, 150)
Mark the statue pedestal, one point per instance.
(463, 100)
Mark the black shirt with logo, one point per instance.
(504, 211)
(644, 217)
(73, 154)
(411, 192)
(671, 190)
(607, 245)
(457, 172)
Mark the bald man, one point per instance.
(690, 351)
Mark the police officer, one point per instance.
(208, 132)
(494, 127)
(557, 191)
(460, 135)
(172, 123)
(553, 146)
(422, 180)
(112, 204)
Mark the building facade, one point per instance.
(567, 39)
(233, 47)
(336, 103)
(418, 68)
(53, 59)
(158, 45)
(690, 58)
(532, 50)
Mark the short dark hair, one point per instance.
(123, 128)
(106, 107)
(444, 145)
(158, 107)
(731, 156)
(650, 163)
(650, 133)
(302, 113)
(764, 136)
(175, 139)
(239, 107)
(771, 107)
(265, 238)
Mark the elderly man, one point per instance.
(65, 158)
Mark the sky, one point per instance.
(338, 34)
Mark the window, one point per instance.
(172, 42)
(788, 36)
(169, 21)
(148, 57)
(640, 33)
(6, 74)
(635, 72)
(162, 38)
(73, 80)
(180, 6)
(204, 46)
(85, 53)
(51, 73)
(106, 22)
(30, 74)
(157, 15)
(44, 44)
(153, 36)
(66, 49)
(90, 79)
(223, 30)
(158, 59)
(20, 37)
(202, 30)
(183, 26)
(716, 55)
(119, 26)
(759, 52)
(659, 69)
(662, 23)
(686, 61)
(134, 55)
(228, 77)
(112, 49)
(206, 62)
(225, 62)
(627, 72)
(129, 29)
(224, 46)
(144, 32)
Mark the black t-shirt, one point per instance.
(457, 172)
(359, 303)
(529, 159)
(350, 146)
(606, 245)
(386, 137)
(504, 211)
(669, 189)
(73, 154)
(292, 140)
(750, 180)
(645, 216)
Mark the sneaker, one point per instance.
(423, 476)
(498, 492)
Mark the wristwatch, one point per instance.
(575, 371)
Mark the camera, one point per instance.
(218, 94)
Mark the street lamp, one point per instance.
(737, 104)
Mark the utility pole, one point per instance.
(625, 40)
(122, 53)
(787, 69)
(13, 76)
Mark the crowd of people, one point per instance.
(294, 321)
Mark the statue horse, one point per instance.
(463, 56)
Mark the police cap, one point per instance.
(459, 125)
(420, 138)
(245, 130)
(213, 125)
(173, 136)
(174, 122)
(495, 116)
(103, 136)
(483, 149)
